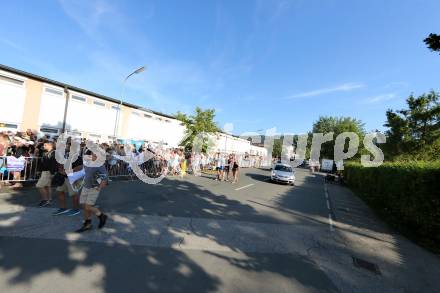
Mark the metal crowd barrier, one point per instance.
(19, 169)
(26, 169)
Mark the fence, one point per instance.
(19, 169)
(26, 169)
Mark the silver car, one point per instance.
(283, 173)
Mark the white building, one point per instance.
(29, 101)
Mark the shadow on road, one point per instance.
(130, 268)
(117, 265)
(259, 177)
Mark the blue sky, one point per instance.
(260, 64)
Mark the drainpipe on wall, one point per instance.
(66, 91)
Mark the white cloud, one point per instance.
(12, 44)
(157, 87)
(167, 85)
(269, 11)
(90, 15)
(396, 84)
(346, 87)
(380, 98)
(161, 87)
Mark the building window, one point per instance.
(78, 98)
(11, 80)
(168, 121)
(99, 103)
(135, 113)
(49, 130)
(147, 116)
(115, 108)
(53, 91)
(8, 125)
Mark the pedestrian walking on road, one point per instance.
(220, 163)
(67, 188)
(228, 167)
(96, 178)
(49, 166)
(223, 167)
(235, 169)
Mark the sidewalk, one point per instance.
(402, 265)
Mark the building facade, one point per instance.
(29, 101)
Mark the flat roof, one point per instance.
(78, 89)
(90, 93)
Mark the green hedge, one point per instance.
(405, 194)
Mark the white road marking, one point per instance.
(330, 221)
(246, 186)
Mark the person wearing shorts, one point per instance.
(219, 167)
(96, 178)
(67, 188)
(89, 196)
(49, 166)
(228, 167)
(235, 168)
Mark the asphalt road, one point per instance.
(199, 235)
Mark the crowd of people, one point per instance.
(28, 157)
(21, 153)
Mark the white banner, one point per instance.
(76, 175)
(15, 164)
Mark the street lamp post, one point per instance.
(139, 70)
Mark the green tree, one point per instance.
(277, 147)
(433, 42)
(398, 136)
(337, 125)
(202, 121)
(415, 129)
(182, 117)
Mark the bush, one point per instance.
(404, 194)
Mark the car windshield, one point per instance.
(283, 168)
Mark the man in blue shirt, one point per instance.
(96, 178)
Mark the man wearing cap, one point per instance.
(49, 166)
(96, 178)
